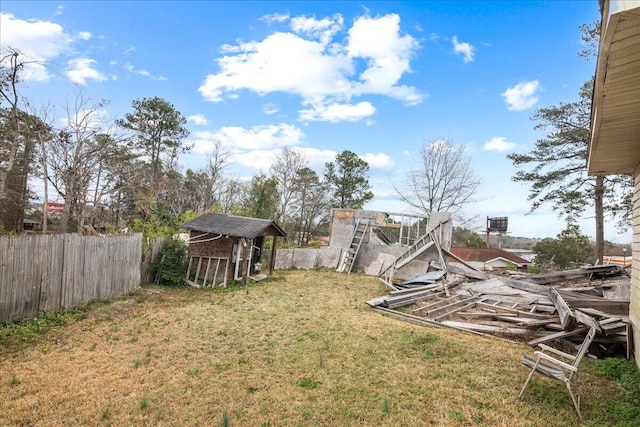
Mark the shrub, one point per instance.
(170, 268)
(534, 269)
(570, 249)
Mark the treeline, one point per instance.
(126, 173)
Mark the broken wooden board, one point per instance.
(558, 335)
(567, 318)
(461, 270)
(478, 327)
(559, 276)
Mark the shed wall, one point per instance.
(222, 247)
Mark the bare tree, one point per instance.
(311, 204)
(218, 159)
(77, 157)
(444, 182)
(230, 196)
(44, 134)
(285, 166)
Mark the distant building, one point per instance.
(522, 253)
(489, 259)
(31, 226)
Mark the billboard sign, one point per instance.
(55, 207)
(498, 224)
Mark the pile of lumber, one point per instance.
(558, 307)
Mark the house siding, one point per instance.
(634, 309)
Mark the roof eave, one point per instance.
(614, 145)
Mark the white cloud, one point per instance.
(80, 70)
(439, 145)
(198, 119)
(319, 69)
(465, 49)
(522, 96)
(499, 143)
(89, 119)
(130, 68)
(274, 17)
(388, 54)
(43, 41)
(320, 29)
(317, 158)
(338, 112)
(38, 41)
(262, 137)
(270, 108)
(259, 160)
(129, 50)
(282, 62)
(378, 161)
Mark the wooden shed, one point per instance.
(223, 247)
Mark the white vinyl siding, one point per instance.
(634, 309)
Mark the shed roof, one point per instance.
(234, 226)
(487, 255)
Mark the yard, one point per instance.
(299, 349)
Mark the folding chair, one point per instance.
(557, 368)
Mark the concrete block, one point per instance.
(328, 257)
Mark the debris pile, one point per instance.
(541, 308)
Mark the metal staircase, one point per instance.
(360, 230)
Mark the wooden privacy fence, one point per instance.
(49, 272)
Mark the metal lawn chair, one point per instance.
(563, 367)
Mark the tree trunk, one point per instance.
(64, 218)
(598, 197)
(45, 184)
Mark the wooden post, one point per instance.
(272, 261)
(245, 278)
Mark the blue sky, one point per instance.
(377, 78)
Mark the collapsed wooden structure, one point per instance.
(540, 308)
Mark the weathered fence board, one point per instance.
(48, 272)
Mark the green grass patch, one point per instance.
(308, 383)
(30, 330)
(626, 379)
(144, 403)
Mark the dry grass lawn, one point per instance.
(301, 349)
